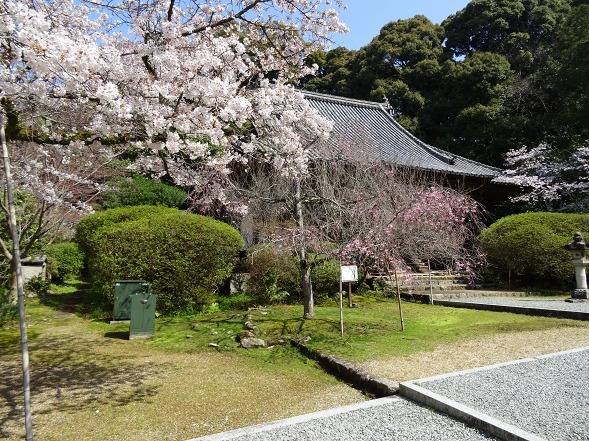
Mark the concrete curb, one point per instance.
(544, 312)
(232, 434)
(466, 414)
(347, 371)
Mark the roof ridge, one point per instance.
(446, 156)
(340, 99)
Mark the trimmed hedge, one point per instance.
(531, 245)
(185, 257)
(139, 190)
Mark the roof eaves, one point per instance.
(341, 100)
(446, 157)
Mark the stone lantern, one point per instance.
(577, 249)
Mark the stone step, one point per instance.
(426, 287)
(434, 276)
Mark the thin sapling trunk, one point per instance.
(17, 275)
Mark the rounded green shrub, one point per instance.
(88, 226)
(185, 257)
(530, 246)
(139, 190)
(64, 260)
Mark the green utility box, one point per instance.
(142, 315)
(124, 289)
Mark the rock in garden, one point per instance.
(245, 334)
(252, 342)
(249, 325)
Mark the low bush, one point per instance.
(185, 257)
(275, 276)
(139, 190)
(235, 301)
(530, 247)
(325, 278)
(64, 260)
(8, 310)
(37, 286)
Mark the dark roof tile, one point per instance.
(368, 123)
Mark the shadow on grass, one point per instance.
(290, 327)
(119, 335)
(66, 376)
(66, 302)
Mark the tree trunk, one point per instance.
(13, 296)
(431, 288)
(308, 303)
(17, 275)
(399, 301)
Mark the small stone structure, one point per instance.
(34, 267)
(237, 282)
(580, 261)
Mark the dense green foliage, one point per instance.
(185, 257)
(64, 260)
(8, 310)
(140, 190)
(37, 285)
(275, 277)
(495, 76)
(531, 247)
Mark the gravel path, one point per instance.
(392, 419)
(547, 396)
(555, 304)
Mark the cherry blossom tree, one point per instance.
(355, 208)
(548, 180)
(420, 222)
(186, 85)
(54, 187)
(310, 213)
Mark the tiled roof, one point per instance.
(369, 124)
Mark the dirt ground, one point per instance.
(126, 392)
(478, 352)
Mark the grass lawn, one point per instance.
(89, 382)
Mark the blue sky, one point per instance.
(365, 18)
